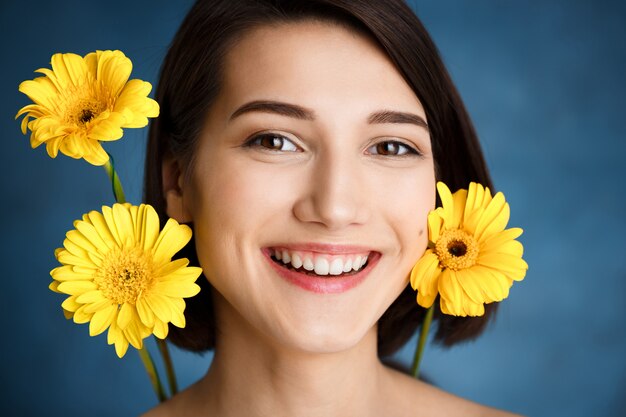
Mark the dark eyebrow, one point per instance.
(299, 112)
(388, 116)
(284, 109)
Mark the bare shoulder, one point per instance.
(175, 406)
(418, 398)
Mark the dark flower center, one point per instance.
(457, 248)
(85, 116)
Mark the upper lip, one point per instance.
(327, 248)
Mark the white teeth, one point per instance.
(321, 266)
(308, 264)
(357, 263)
(336, 267)
(296, 262)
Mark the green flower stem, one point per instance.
(152, 373)
(422, 341)
(118, 191)
(169, 368)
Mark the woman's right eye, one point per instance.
(273, 142)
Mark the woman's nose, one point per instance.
(335, 194)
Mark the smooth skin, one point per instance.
(340, 156)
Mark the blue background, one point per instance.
(545, 83)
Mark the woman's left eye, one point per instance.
(392, 148)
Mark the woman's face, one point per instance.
(315, 155)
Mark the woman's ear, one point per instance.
(173, 183)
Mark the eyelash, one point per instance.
(280, 141)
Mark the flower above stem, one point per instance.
(83, 101)
(472, 259)
(118, 271)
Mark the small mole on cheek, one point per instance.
(421, 232)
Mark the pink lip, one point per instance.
(325, 248)
(330, 284)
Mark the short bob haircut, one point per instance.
(190, 81)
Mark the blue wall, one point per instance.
(545, 83)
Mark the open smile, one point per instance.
(322, 271)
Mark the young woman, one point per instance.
(302, 140)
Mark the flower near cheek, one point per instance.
(472, 259)
(118, 271)
(83, 101)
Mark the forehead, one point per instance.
(315, 63)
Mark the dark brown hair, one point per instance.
(190, 81)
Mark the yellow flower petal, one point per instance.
(134, 334)
(101, 320)
(151, 228)
(447, 203)
(160, 329)
(76, 287)
(502, 242)
(458, 202)
(160, 306)
(170, 268)
(125, 316)
(470, 308)
(113, 70)
(494, 218)
(69, 70)
(508, 264)
(434, 225)
(451, 291)
(67, 273)
(493, 284)
(469, 282)
(124, 224)
(173, 238)
(91, 297)
(70, 304)
(176, 289)
(178, 318)
(183, 275)
(100, 226)
(424, 274)
(80, 316)
(145, 313)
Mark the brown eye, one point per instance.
(391, 148)
(273, 142)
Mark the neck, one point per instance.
(253, 375)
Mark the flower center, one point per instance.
(456, 249)
(125, 274)
(83, 111)
(85, 116)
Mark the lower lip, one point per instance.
(332, 284)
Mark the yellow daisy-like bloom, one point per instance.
(472, 259)
(83, 101)
(119, 274)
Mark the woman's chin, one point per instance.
(324, 338)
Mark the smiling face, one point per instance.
(311, 185)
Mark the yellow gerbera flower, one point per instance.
(83, 101)
(471, 260)
(119, 274)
